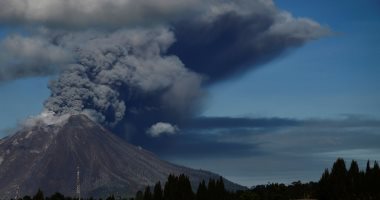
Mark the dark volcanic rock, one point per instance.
(47, 157)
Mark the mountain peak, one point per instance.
(47, 158)
(79, 117)
(80, 120)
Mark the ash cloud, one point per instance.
(232, 39)
(25, 57)
(115, 72)
(130, 64)
(72, 14)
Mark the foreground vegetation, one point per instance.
(338, 184)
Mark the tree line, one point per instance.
(339, 183)
(179, 188)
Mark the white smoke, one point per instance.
(45, 118)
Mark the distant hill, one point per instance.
(47, 157)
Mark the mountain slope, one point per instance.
(47, 157)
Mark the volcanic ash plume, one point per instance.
(142, 62)
(115, 72)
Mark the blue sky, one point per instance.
(333, 80)
(334, 76)
(21, 99)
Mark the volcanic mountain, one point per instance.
(47, 157)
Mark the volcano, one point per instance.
(47, 157)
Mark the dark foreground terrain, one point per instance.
(338, 184)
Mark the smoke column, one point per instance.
(143, 66)
(116, 73)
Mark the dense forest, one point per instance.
(338, 184)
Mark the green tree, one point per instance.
(376, 167)
(338, 180)
(170, 188)
(178, 188)
(139, 195)
(353, 179)
(26, 198)
(157, 193)
(220, 191)
(376, 182)
(368, 167)
(147, 194)
(211, 190)
(112, 197)
(367, 180)
(57, 196)
(297, 190)
(202, 191)
(39, 195)
(184, 188)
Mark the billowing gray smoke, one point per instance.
(113, 72)
(143, 62)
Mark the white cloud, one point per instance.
(162, 128)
